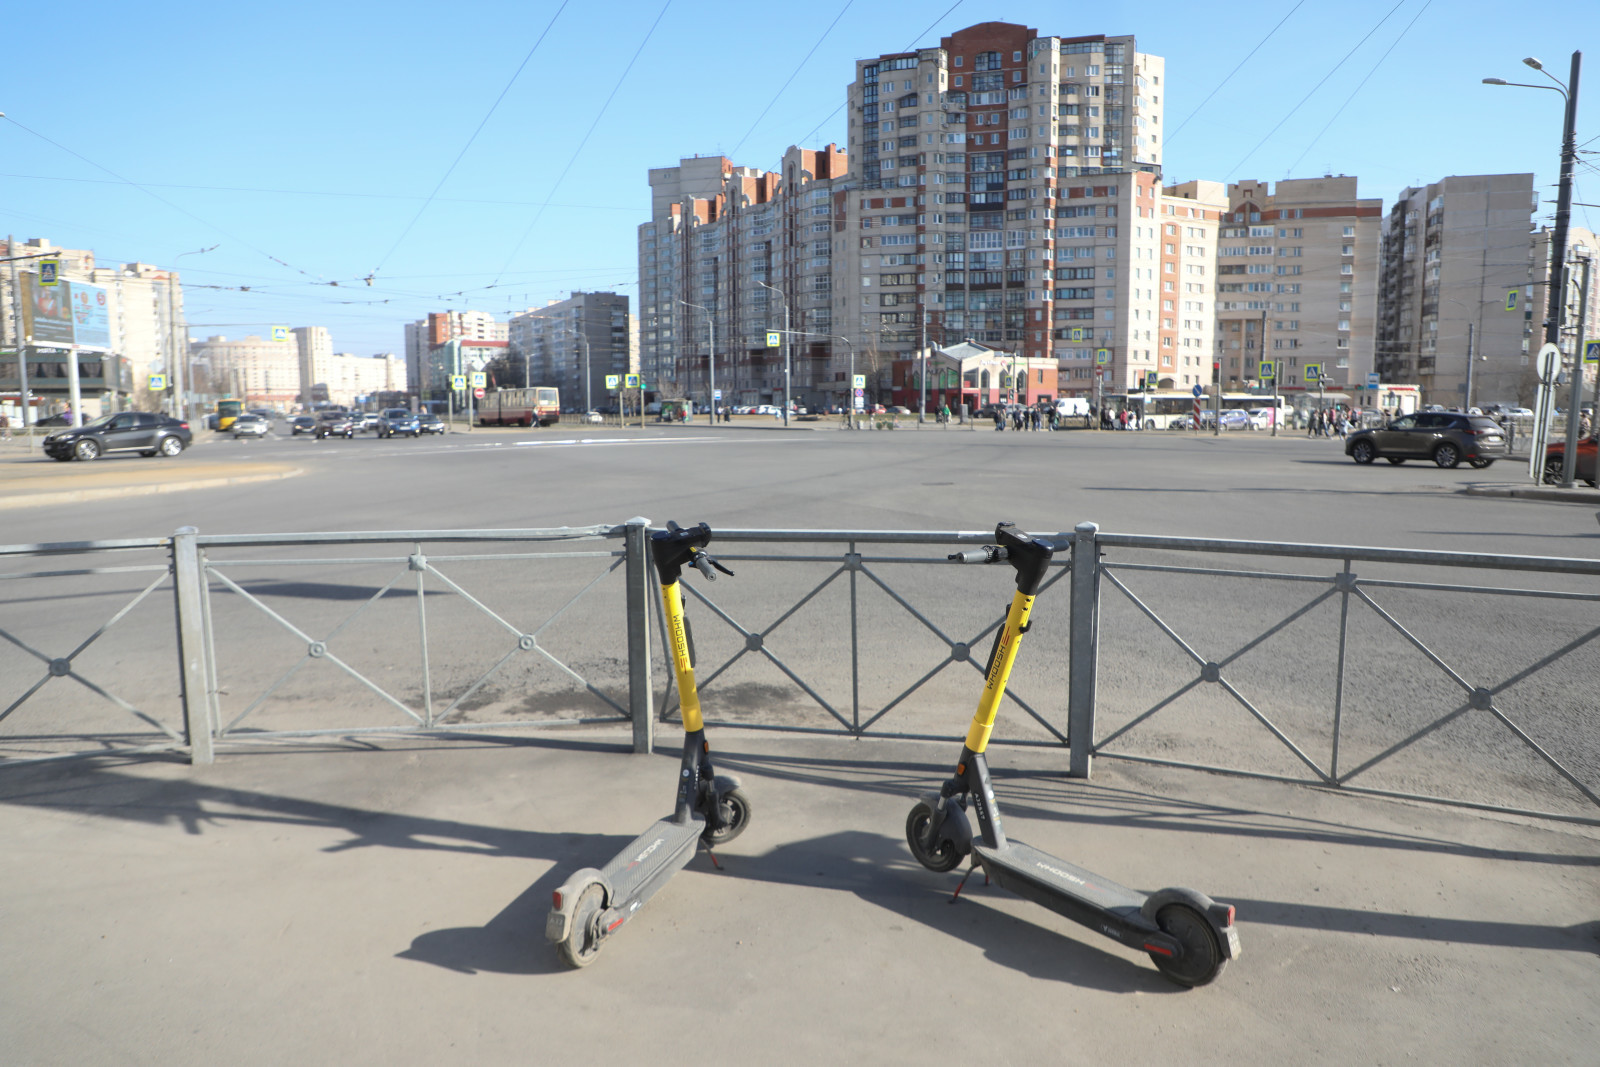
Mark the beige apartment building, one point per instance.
(143, 303)
(1452, 251)
(1003, 188)
(1297, 264)
(719, 235)
(260, 372)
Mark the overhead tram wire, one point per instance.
(1239, 166)
(577, 151)
(459, 155)
(1420, 12)
(160, 199)
(907, 48)
(796, 73)
(1234, 71)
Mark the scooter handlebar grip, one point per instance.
(702, 563)
(986, 554)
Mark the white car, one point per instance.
(1261, 418)
(250, 426)
(591, 416)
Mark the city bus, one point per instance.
(519, 407)
(1172, 409)
(227, 410)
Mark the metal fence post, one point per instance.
(188, 578)
(636, 548)
(1082, 654)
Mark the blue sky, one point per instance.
(304, 139)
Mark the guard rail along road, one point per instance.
(1449, 677)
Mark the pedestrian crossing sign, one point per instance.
(1102, 356)
(613, 380)
(1313, 372)
(630, 381)
(774, 339)
(1591, 351)
(1511, 300)
(1268, 371)
(1077, 333)
(158, 382)
(458, 382)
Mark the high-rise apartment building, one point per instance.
(574, 344)
(1009, 193)
(314, 346)
(719, 236)
(1297, 264)
(1452, 250)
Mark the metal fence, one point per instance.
(1368, 670)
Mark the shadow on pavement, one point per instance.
(1580, 937)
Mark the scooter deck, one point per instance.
(1067, 889)
(650, 859)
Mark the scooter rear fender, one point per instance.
(559, 921)
(1220, 916)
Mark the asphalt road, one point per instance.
(384, 901)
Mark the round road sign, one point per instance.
(478, 393)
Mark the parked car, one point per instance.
(1555, 457)
(398, 422)
(250, 426)
(302, 424)
(335, 424)
(591, 416)
(1261, 418)
(1235, 419)
(1445, 437)
(125, 431)
(428, 422)
(55, 420)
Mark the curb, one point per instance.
(1535, 492)
(77, 496)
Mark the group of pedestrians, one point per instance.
(1023, 417)
(1330, 422)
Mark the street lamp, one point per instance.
(180, 360)
(711, 357)
(1556, 305)
(785, 300)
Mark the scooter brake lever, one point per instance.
(703, 563)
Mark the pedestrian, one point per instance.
(5, 426)
(999, 418)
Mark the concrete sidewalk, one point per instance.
(384, 902)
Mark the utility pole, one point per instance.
(922, 407)
(1468, 404)
(19, 340)
(711, 355)
(1558, 240)
(1569, 461)
(785, 300)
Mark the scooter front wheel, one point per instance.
(941, 856)
(582, 943)
(735, 809)
(1202, 955)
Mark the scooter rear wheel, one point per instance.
(582, 943)
(1202, 955)
(943, 856)
(735, 817)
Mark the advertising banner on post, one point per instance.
(69, 313)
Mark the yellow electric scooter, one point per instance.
(711, 809)
(1189, 936)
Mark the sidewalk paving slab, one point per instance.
(384, 902)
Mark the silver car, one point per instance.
(250, 426)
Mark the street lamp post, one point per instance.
(711, 356)
(785, 300)
(1556, 304)
(180, 360)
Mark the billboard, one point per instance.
(70, 313)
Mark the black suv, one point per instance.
(125, 431)
(1446, 437)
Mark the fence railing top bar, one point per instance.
(62, 548)
(871, 537)
(1561, 564)
(371, 537)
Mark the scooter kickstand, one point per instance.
(712, 854)
(963, 884)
